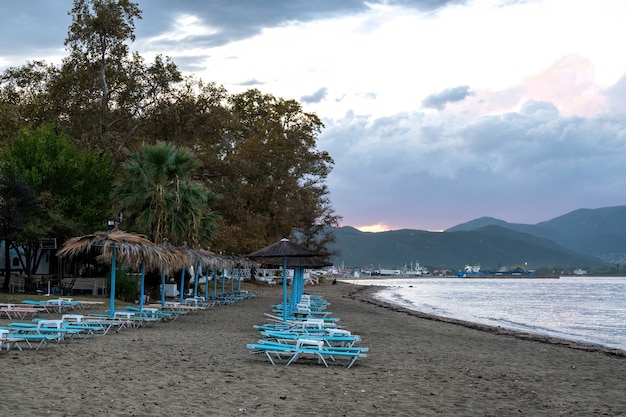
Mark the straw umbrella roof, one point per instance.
(131, 249)
(225, 261)
(193, 255)
(179, 257)
(303, 261)
(234, 261)
(246, 263)
(282, 248)
(294, 255)
(207, 259)
(101, 241)
(285, 251)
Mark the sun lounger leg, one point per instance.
(293, 358)
(269, 356)
(43, 342)
(352, 361)
(322, 360)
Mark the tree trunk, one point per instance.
(7, 265)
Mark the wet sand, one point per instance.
(417, 365)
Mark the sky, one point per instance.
(436, 112)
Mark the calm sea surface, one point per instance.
(587, 309)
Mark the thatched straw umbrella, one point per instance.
(298, 263)
(209, 261)
(283, 249)
(129, 249)
(181, 259)
(159, 258)
(295, 261)
(202, 259)
(228, 264)
(235, 265)
(195, 258)
(242, 264)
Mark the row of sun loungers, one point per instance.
(307, 334)
(38, 332)
(30, 308)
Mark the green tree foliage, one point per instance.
(195, 114)
(17, 201)
(276, 183)
(256, 152)
(258, 155)
(159, 197)
(9, 122)
(26, 96)
(101, 28)
(125, 285)
(78, 181)
(101, 92)
(50, 189)
(110, 86)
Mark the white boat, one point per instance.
(416, 270)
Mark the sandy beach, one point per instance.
(417, 366)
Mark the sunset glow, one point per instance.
(374, 228)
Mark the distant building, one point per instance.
(16, 265)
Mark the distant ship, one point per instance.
(412, 271)
(416, 270)
(474, 271)
(469, 270)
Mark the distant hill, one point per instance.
(595, 232)
(583, 238)
(490, 221)
(490, 246)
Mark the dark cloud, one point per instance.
(425, 5)
(438, 101)
(316, 97)
(251, 83)
(240, 19)
(236, 20)
(539, 109)
(189, 63)
(30, 26)
(34, 28)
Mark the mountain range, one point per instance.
(584, 238)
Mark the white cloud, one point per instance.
(185, 27)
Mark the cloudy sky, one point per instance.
(436, 112)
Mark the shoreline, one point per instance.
(469, 276)
(367, 294)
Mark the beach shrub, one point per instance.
(126, 286)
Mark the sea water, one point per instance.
(584, 309)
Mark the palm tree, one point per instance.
(159, 197)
